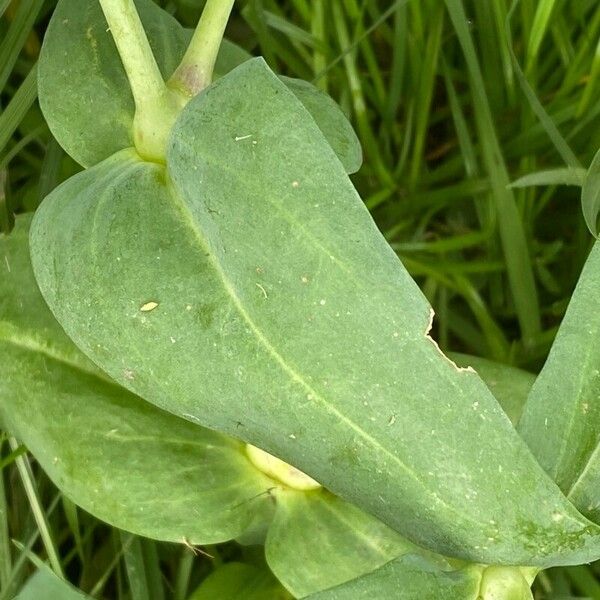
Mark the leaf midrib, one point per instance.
(189, 222)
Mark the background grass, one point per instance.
(453, 100)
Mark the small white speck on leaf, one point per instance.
(304, 279)
(292, 436)
(240, 138)
(188, 307)
(149, 306)
(392, 420)
(295, 184)
(322, 302)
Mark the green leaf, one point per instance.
(414, 578)
(561, 422)
(317, 541)
(561, 176)
(44, 584)
(234, 581)
(120, 458)
(85, 95)
(115, 462)
(510, 385)
(248, 289)
(331, 121)
(590, 195)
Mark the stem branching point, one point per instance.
(156, 106)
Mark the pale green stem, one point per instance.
(196, 69)
(126, 28)
(156, 107)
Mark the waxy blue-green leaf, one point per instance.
(147, 471)
(510, 385)
(247, 288)
(410, 578)
(237, 581)
(45, 585)
(561, 421)
(590, 195)
(317, 541)
(85, 96)
(331, 121)
(122, 459)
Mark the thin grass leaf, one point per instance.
(550, 127)
(559, 176)
(540, 25)
(19, 30)
(36, 508)
(5, 546)
(512, 235)
(21, 102)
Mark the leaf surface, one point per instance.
(249, 290)
(510, 385)
(120, 458)
(409, 578)
(85, 96)
(331, 121)
(561, 421)
(317, 541)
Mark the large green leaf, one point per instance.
(86, 99)
(317, 541)
(248, 289)
(120, 458)
(561, 422)
(147, 471)
(410, 578)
